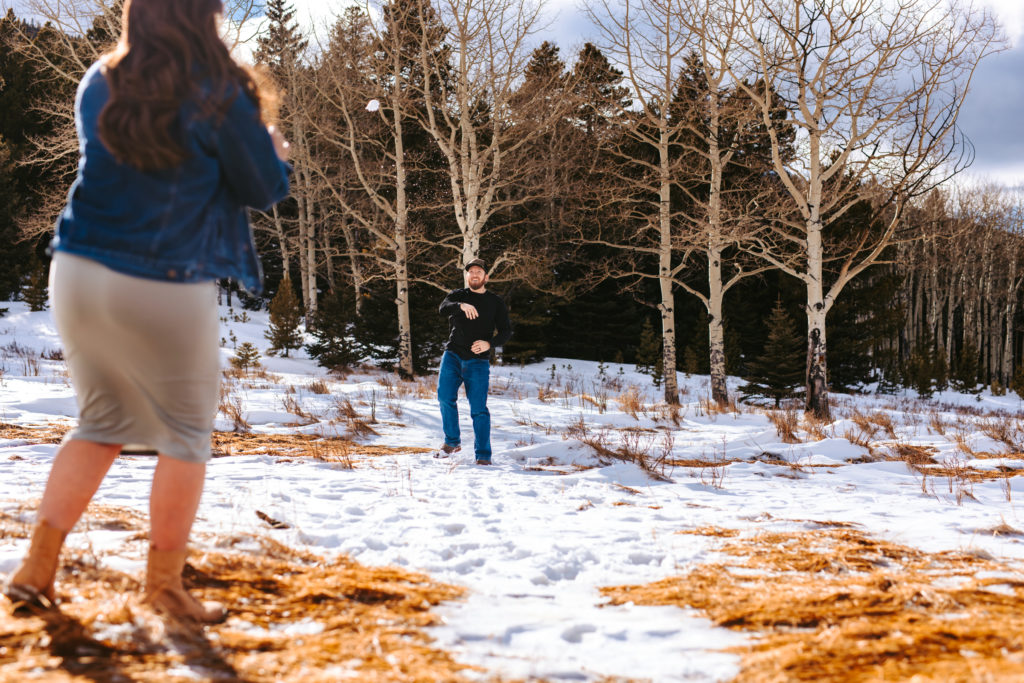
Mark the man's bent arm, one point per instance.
(449, 306)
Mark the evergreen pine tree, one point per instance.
(648, 351)
(336, 346)
(965, 367)
(246, 356)
(658, 372)
(691, 364)
(733, 350)
(35, 292)
(598, 88)
(24, 84)
(926, 369)
(779, 370)
(285, 317)
(282, 44)
(700, 344)
(529, 312)
(1017, 382)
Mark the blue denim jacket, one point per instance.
(188, 223)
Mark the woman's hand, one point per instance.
(281, 145)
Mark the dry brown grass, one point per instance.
(300, 445)
(292, 405)
(426, 387)
(711, 407)
(319, 387)
(635, 445)
(913, 455)
(885, 422)
(868, 428)
(815, 428)
(701, 462)
(357, 425)
(231, 407)
(631, 402)
(786, 422)
(224, 444)
(1004, 429)
(711, 531)
(833, 604)
(936, 423)
(294, 616)
(45, 433)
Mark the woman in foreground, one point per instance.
(173, 149)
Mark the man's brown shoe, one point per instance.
(445, 450)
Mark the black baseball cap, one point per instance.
(476, 262)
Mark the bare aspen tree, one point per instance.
(718, 122)
(1013, 253)
(364, 86)
(468, 95)
(650, 42)
(874, 88)
(963, 281)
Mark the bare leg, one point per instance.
(173, 501)
(177, 487)
(77, 472)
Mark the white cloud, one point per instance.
(316, 15)
(1011, 16)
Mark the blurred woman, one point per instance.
(173, 149)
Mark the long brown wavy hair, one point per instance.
(167, 50)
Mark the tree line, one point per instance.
(747, 187)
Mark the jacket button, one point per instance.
(172, 273)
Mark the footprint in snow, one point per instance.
(574, 634)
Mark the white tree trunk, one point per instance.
(667, 291)
(716, 328)
(282, 242)
(405, 365)
(817, 307)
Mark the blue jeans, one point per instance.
(475, 374)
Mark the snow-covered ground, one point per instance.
(535, 536)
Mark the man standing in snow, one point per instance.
(478, 320)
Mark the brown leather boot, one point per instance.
(165, 592)
(31, 584)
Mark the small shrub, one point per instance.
(284, 334)
(35, 292)
(247, 357)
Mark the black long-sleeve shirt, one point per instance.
(492, 323)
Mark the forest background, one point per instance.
(727, 187)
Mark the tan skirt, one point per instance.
(142, 354)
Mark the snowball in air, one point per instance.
(372, 105)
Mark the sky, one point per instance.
(991, 116)
(534, 537)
